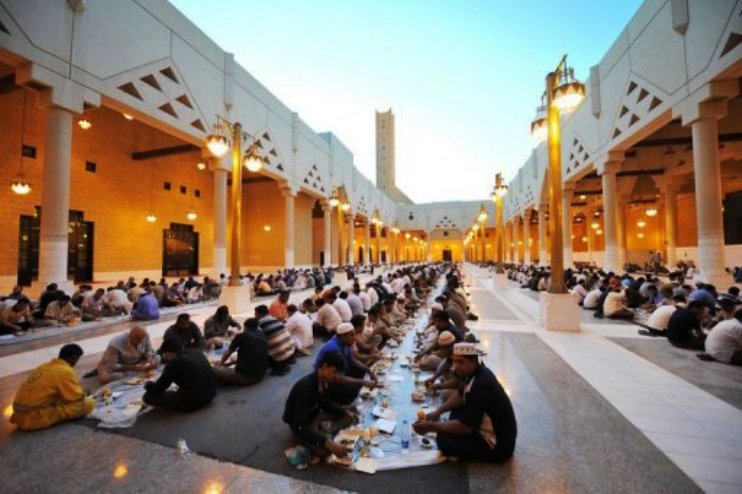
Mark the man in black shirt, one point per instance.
(252, 357)
(187, 332)
(684, 326)
(482, 424)
(308, 398)
(190, 371)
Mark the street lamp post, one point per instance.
(563, 94)
(218, 144)
(482, 217)
(498, 193)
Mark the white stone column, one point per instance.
(289, 238)
(327, 230)
(508, 248)
(671, 230)
(351, 237)
(567, 226)
(527, 236)
(611, 208)
(543, 253)
(55, 198)
(220, 218)
(516, 254)
(707, 174)
(367, 243)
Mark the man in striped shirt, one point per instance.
(281, 346)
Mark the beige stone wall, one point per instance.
(116, 197)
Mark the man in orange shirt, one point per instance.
(52, 393)
(279, 307)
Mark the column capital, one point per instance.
(56, 90)
(708, 102)
(609, 162)
(288, 189)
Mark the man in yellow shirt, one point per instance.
(52, 393)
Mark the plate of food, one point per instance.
(417, 396)
(134, 381)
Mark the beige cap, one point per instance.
(465, 349)
(344, 327)
(446, 338)
(436, 306)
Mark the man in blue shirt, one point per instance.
(147, 308)
(347, 388)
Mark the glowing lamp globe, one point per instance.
(568, 96)
(217, 144)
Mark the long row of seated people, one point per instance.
(694, 317)
(141, 301)
(482, 424)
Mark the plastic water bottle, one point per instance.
(405, 436)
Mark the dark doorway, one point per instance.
(322, 258)
(383, 256)
(28, 248)
(360, 255)
(79, 244)
(80, 248)
(447, 257)
(179, 250)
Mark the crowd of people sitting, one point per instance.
(140, 300)
(354, 325)
(692, 315)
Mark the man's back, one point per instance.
(194, 376)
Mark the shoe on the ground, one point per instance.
(91, 373)
(705, 357)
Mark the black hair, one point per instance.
(171, 345)
(251, 323)
(70, 351)
(183, 316)
(261, 310)
(358, 320)
(332, 359)
(291, 308)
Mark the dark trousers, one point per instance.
(625, 314)
(693, 344)
(320, 331)
(470, 447)
(170, 399)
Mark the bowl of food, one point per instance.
(417, 396)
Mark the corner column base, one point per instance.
(559, 312)
(237, 298)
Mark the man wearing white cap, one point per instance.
(482, 425)
(439, 351)
(350, 383)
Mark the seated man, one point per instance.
(482, 425)
(190, 371)
(350, 383)
(279, 307)
(684, 326)
(52, 393)
(216, 328)
(437, 352)
(187, 332)
(147, 308)
(16, 318)
(327, 319)
(93, 306)
(724, 342)
(299, 327)
(659, 319)
(130, 351)
(117, 301)
(614, 306)
(280, 344)
(252, 357)
(309, 404)
(62, 311)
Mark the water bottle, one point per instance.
(405, 436)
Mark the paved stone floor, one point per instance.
(598, 411)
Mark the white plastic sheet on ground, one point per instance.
(124, 408)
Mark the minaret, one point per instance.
(385, 152)
(385, 173)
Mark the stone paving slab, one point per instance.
(72, 459)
